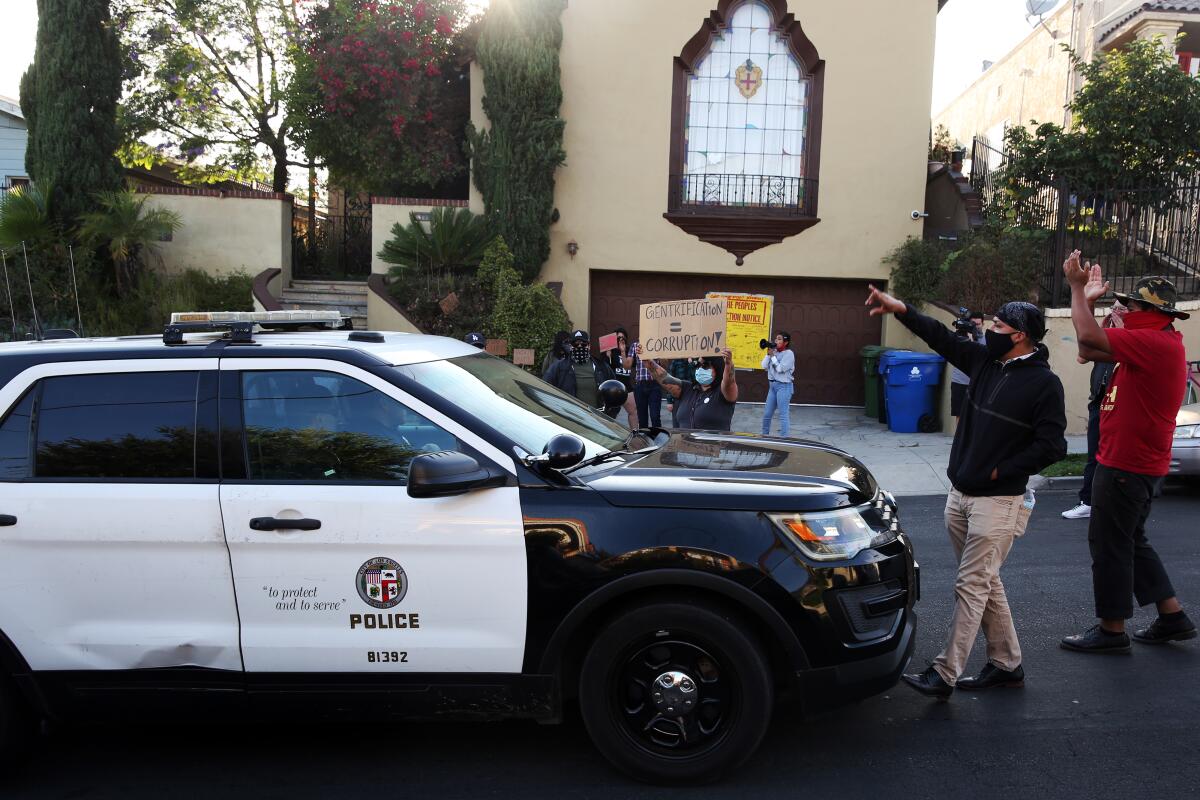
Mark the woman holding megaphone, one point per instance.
(780, 364)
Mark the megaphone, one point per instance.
(763, 344)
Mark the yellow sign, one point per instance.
(748, 319)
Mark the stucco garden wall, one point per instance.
(227, 232)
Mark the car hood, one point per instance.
(738, 471)
(1188, 415)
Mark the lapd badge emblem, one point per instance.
(381, 583)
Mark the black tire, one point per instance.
(731, 693)
(16, 725)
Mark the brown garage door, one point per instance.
(827, 320)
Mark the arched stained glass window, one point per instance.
(746, 128)
(746, 117)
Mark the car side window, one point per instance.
(318, 426)
(116, 426)
(14, 440)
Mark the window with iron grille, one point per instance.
(745, 127)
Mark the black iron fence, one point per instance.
(734, 193)
(331, 248)
(1131, 231)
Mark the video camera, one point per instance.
(763, 344)
(963, 324)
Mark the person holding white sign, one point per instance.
(701, 405)
(780, 364)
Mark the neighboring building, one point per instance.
(700, 135)
(13, 137)
(1035, 80)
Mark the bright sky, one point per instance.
(968, 32)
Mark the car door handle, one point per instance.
(7, 520)
(275, 524)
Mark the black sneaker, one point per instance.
(1162, 631)
(929, 683)
(1097, 640)
(991, 676)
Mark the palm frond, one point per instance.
(25, 217)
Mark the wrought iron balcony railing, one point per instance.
(770, 195)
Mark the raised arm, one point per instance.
(962, 353)
(670, 384)
(729, 387)
(1087, 286)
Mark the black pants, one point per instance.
(648, 397)
(1124, 565)
(1093, 442)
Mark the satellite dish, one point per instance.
(1039, 8)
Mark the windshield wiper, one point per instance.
(610, 454)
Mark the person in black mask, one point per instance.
(1011, 427)
(581, 374)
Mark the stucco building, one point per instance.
(744, 146)
(1035, 80)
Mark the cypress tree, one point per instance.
(514, 161)
(69, 97)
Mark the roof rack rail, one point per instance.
(240, 324)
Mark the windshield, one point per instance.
(524, 408)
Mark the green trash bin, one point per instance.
(870, 356)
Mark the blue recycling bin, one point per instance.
(910, 387)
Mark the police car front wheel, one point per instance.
(676, 693)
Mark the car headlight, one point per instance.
(834, 535)
(1187, 432)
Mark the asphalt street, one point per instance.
(1084, 726)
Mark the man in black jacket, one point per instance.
(1011, 427)
(581, 375)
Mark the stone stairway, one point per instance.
(348, 297)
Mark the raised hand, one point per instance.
(1096, 287)
(883, 303)
(727, 354)
(1075, 273)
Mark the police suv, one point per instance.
(234, 521)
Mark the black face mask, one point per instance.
(997, 343)
(580, 352)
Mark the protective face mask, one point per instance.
(704, 376)
(579, 352)
(997, 343)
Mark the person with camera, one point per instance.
(968, 326)
(1137, 423)
(708, 402)
(1012, 425)
(780, 363)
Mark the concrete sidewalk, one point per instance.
(903, 463)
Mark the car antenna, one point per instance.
(75, 286)
(37, 326)
(12, 311)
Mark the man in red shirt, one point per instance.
(1137, 420)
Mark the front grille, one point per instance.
(854, 604)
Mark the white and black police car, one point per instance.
(236, 522)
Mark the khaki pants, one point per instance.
(982, 530)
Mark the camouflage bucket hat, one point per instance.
(1158, 292)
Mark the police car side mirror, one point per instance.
(612, 394)
(449, 472)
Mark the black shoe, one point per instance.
(1162, 631)
(991, 676)
(929, 683)
(1097, 640)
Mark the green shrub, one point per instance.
(526, 316)
(992, 266)
(917, 270)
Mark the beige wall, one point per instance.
(617, 80)
(224, 235)
(382, 317)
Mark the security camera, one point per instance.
(918, 214)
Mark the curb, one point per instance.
(1040, 482)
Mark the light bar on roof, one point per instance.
(257, 317)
